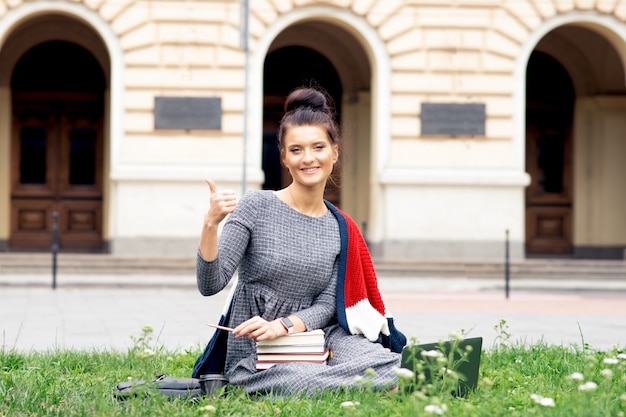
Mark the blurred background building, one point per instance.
(461, 120)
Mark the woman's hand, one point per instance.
(222, 203)
(257, 329)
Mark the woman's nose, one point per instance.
(308, 155)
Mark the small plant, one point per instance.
(143, 345)
(503, 337)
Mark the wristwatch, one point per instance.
(287, 324)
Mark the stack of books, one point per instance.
(296, 347)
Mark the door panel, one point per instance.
(549, 197)
(31, 223)
(80, 224)
(550, 229)
(57, 167)
(550, 99)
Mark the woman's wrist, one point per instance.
(278, 322)
(210, 225)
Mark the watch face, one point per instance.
(287, 322)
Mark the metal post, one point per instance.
(506, 266)
(55, 247)
(244, 33)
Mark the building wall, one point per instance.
(429, 197)
(600, 149)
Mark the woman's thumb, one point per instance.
(212, 186)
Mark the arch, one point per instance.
(113, 66)
(590, 47)
(380, 90)
(608, 26)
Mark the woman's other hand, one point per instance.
(257, 329)
(222, 203)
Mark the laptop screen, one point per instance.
(460, 358)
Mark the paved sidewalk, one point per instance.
(104, 311)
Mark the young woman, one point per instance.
(302, 265)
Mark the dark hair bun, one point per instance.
(307, 97)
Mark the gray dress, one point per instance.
(287, 264)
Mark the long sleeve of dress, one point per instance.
(213, 276)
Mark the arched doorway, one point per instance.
(575, 144)
(57, 97)
(324, 53)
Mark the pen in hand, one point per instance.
(217, 326)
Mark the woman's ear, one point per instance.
(335, 153)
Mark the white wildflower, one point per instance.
(621, 356)
(588, 386)
(577, 376)
(610, 361)
(456, 336)
(543, 401)
(208, 408)
(404, 373)
(606, 373)
(432, 353)
(436, 409)
(346, 404)
(359, 379)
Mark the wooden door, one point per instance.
(549, 195)
(56, 167)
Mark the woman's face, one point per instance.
(309, 155)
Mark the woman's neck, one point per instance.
(307, 201)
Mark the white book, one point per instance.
(317, 348)
(312, 338)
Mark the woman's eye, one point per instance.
(319, 147)
(295, 150)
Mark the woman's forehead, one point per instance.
(306, 133)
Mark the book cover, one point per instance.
(314, 337)
(316, 348)
(293, 357)
(266, 364)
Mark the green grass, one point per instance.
(515, 380)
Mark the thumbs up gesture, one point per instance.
(222, 203)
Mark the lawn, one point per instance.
(515, 380)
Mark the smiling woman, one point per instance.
(291, 248)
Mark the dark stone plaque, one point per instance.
(188, 113)
(452, 119)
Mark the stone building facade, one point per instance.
(463, 122)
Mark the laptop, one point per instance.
(466, 368)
